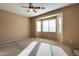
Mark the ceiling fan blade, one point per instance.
(34, 10)
(35, 7)
(38, 7)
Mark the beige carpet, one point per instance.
(15, 48)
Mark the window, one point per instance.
(46, 25)
(49, 25)
(52, 25)
(38, 26)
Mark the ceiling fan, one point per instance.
(32, 8)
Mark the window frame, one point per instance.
(47, 19)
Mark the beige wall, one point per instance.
(32, 27)
(13, 26)
(70, 23)
(49, 35)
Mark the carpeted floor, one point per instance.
(16, 47)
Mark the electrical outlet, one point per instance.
(70, 41)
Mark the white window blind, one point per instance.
(38, 26)
(45, 26)
(48, 25)
(52, 25)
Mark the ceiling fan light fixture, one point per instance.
(31, 9)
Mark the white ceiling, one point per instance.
(15, 8)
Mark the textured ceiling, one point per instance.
(15, 8)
